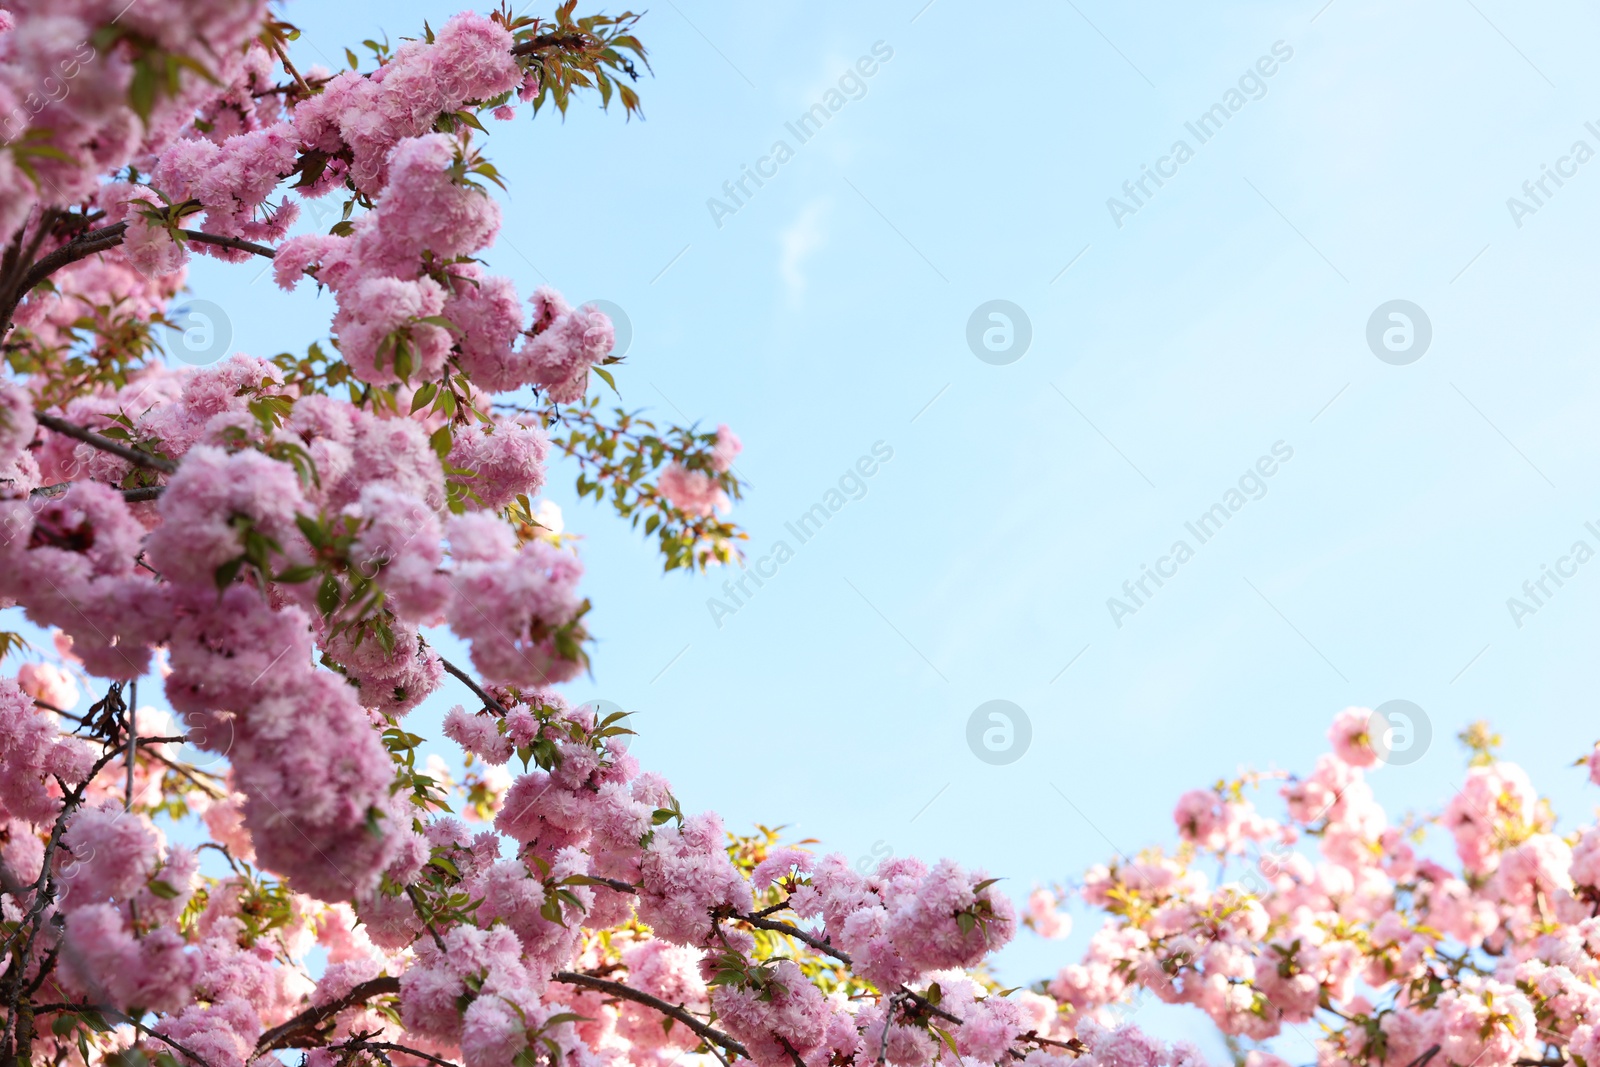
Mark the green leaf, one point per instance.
(443, 323)
(328, 596)
(424, 396)
(441, 441)
(312, 531)
(296, 574)
(142, 90)
(163, 890)
(226, 573)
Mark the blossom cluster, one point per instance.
(1401, 957)
(278, 540)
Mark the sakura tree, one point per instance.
(273, 539)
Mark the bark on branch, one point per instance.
(106, 444)
(132, 496)
(284, 1035)
(626, 992)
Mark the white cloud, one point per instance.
(802, 237)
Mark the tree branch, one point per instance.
(489, 702)
(381, 1046)
(132, 496)
(192, 774)
(282, 1035)
(80, 247)
(117, 1016)
(617, 989)
(229, 242)
(106, 444)
(91, 243)
(566, 40)
(283, 57)
(798, 934)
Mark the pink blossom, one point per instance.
(505, 461)
(513, 610)
(48, 683)
(207, 505)
(479, 734)
(1044, 917)
(784, 1012)
(727, 448)
(685, 875)
(694, 493)
(31, 753)
(1350, 739)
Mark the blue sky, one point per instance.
(1229, 313)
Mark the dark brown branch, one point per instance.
(279, 90)
(617, 989)
(929, 1006)
(132, 496)
(566, 40)
(381, 1046)
(91, 243)
(17, 256)
(284, 1034)
(827, 948)
(229, 242)
(105, 444)
(798, 934)
(612, 883)
(416, 904)
(80, 247)
(117, 1016)
(489, 702)
(26, 935)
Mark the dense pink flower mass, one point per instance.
(291, 548)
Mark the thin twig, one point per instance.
(798, 934)
(626, 992)
(132, 757)
(363, 1044)
(117, 1016)
(280, 1036)
(490, 702)
(416, 903)
(283, 57)
(883, 1043)
(191, 773)
(105, 444)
